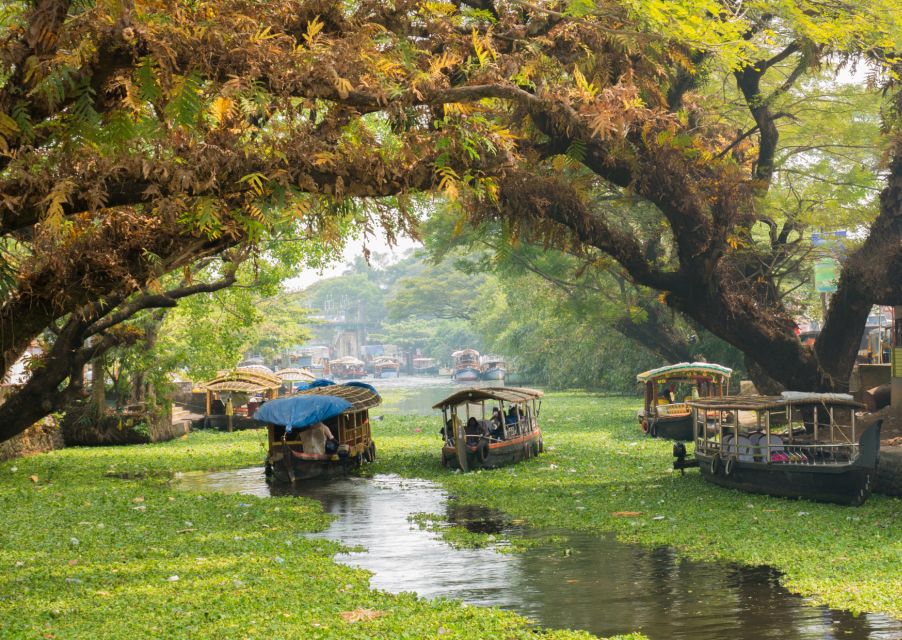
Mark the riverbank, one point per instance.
(98, 543)
(599, 474)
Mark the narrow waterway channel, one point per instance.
(587, 582)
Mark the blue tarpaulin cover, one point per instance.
(313, 384)
(300, 412)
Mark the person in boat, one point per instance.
(497, 424)
(666, 395)
(476, 429)
(512, 415)
(317, 439)
(217, 407)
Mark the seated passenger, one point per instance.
(473, 430)
(496, 424)
(512, 415)
(314, 438)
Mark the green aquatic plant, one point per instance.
(99, 543)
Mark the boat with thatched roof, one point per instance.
(475, 437)
(238, 385)
(669, 388)
(297, 445)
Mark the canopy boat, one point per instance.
(492, 368)
(347, 368)
(666, 413)
(466, 365)
(292, 375)
(799, 445)
(425, 367)
(238, 384)
(472, 440)
(385, 367)
(298, 447)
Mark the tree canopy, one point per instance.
(137, 138)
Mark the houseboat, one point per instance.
(492, 368)
(385, 367)
(425, 367)
(466, 365)
(490, 427)
(665, 413)
(299, 447)
(797, 445)
(347, 368)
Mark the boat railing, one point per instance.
(808, 454)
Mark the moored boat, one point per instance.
(666, 413)
(477, 437)
(425, 366)
(799, 445)
(299, 448)
(385, 367)
(466, 365)
(492, 368)
(347, 368)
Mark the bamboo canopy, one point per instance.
(259, 368)
(361, 397)
(512, 395)
(347, 360)
(242, 381)
(293, 374)
(686, 370)
(763, 403)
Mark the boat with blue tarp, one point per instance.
(322, 430)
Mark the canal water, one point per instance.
(588, 582)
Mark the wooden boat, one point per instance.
(386, 367)
(425, 367)
(347, 368)
(230, 388)
(473, 441)
(492, 368)
(798, 445)
(466, 365)
(666, 413)
(343, 408)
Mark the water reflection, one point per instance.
(589, 582)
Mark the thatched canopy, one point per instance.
(511, 395)
(259, 368)
(686, 370)
(762, 403)
(350, 361)
(361, 397)
(243, 381)
(293, 374)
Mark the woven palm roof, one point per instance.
(685, 369)
(294, 374)
(243, 381)
(260, 368)
(360, 397)
(760, 403)
(512, 395)
(348, 360)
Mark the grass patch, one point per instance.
(597, 465)
(97, 543)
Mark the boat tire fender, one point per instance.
(482, 451)
(716, 465)
(729, 466)
(653, 430)
(370, 453)
(541, 446)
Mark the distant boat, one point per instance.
(425, 366)
(492, 368)
(347, 368)
(466, 365)
(385, 367)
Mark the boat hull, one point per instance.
(426, 371)
(849, 484)
(500, 454)
(305, 467)
(466, 375)
(669, 427)
(495, 373)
